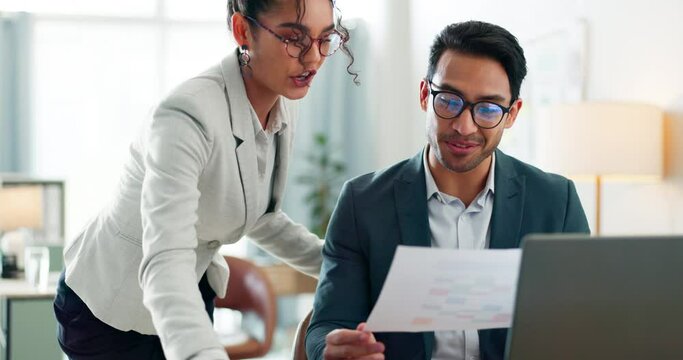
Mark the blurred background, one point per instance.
(77, 79)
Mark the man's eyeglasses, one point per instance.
(300, 42)
(449, 105)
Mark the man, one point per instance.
(459, 193)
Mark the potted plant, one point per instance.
(323, 180)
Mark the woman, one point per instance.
(208, 169)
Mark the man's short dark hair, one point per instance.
(482, 39)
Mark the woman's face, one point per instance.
(274, 70)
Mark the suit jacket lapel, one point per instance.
(410, 193)
(508, 203)
(506, 219)
(243, 131)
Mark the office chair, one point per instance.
(299, 350)
(250, 290)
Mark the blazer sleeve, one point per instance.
(178, 148)
(575, 220)
(342, 297)
(293, 243)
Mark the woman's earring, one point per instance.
(245, 59)
(244, 56)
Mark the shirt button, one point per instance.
(214, 244)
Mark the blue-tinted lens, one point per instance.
(488, 112)
(448, 105)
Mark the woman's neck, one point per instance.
(261, 98)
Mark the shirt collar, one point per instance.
(490, 186)
(277, 121)
(429, 179)
(433, 189)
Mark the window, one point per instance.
(98, 68)
(83, 7)
(215, 10)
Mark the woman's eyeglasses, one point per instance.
(301, 42)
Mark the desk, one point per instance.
(288, 281)
(20, 289)
(29, 328)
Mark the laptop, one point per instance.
(604, 298)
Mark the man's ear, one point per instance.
(512, 115)
(424, 94)
(240, 30)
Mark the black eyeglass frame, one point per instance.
(303, 49)
(466, 105)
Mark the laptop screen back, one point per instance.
(598, 298)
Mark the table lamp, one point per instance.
(602, 140)
(21, 207)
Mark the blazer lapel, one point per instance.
(508, 203)
(243, 131)
(410, 193)
(284, 144)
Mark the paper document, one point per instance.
(430, 289)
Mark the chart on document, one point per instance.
(431, 289)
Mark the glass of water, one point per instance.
(37, 266)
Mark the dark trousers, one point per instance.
(84, 337)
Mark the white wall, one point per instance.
(634, 54)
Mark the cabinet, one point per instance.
(29, 327)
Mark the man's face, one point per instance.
(458, 144)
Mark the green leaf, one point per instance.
(321, 139)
